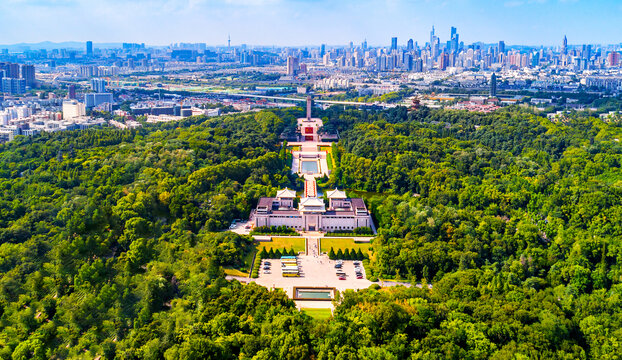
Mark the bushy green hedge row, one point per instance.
(272, 254)
(256, 266)
(347, 254)
(273, 230)
(362, 231)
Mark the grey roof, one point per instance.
(336, 194)
(286, 194)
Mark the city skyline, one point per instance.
(529, 22)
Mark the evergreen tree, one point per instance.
(346, 254)
(339, 254)
(331, 254)
(271, 254)
(359, 255)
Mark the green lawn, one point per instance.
(343, 243)
(298, 244)
(329, 161)
(248, 260)
(235, 272)
(318, 314)
(329, 156)
(294, 148)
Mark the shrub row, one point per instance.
(347, 254)
(272, 254)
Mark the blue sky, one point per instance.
(309, 22)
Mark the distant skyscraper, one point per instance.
(432, 36)
(71, 93)
(455, 42)
(322, 50)
(98, 85)
(27, 72)
(501, 47)
(393, 43)
(410, 45)
(436, 46)
(613, 59)
(565, 46)
(364, 45)
(292, 65)
(443, 61)
(89, 48)
(493, 85)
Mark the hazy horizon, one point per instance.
(272, 22)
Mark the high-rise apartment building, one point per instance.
(13, 86)
(95, 99)
(292, 65)
(89, 48)
(27, 72)
(98, 85)
(11, 70)
(493, 85)
(613, 59)
(71, 92)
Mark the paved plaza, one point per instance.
(315, 271)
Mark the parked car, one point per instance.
(359, 276)
(267, 272)
(357, 263)
(267, 263)
(266, 267)
(342, 278)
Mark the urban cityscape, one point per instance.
(404, 180)
(53, 90)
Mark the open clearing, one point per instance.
(318, 314)
(343, 243)
(278, 243)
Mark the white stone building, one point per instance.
(312, 214)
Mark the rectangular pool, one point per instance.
(315, 295)
(309, 166)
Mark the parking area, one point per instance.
(241, 227)
(315, 271)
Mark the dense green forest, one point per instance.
(111, 244)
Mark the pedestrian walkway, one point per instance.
(310, 188)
